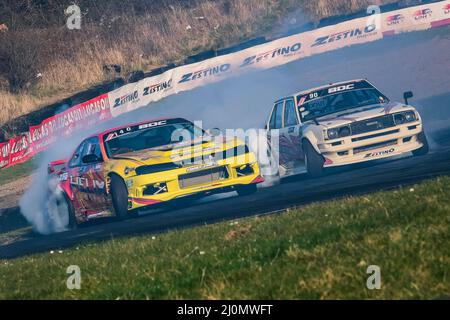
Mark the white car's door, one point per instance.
(273, 132)
(290, 136)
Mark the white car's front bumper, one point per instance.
(372, 145)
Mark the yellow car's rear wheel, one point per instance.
(119, 194)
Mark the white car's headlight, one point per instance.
(339, 132)
(410, 116)
(333, 133)
(405, 117)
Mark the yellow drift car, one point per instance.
(148, 164)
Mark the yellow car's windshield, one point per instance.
(150, 136)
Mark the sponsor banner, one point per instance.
(415, 18)
(203, 72)
(142, 93)
(4, 154)
(345, 34)
(20, 149)
(15, 151)
(444, 13)
(125, 99)
(158, 87)
(85, 114)
(40, 137)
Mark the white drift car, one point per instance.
(341, 124)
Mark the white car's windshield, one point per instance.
(150, 136)
(319, 106)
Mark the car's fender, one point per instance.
(312, 133)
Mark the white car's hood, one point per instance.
(367, 112)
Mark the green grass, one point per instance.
(18, 171)
(320, 251)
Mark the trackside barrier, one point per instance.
(187, 77)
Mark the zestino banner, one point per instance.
(142, 93)
(265, 56)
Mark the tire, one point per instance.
(425, 148)
(272, 164)
(61, 212)
(246, 190)
(313, 160)
(73, 224)
(119, 195)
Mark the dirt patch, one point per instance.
(11, 192)
(12, 224)
(238, 233)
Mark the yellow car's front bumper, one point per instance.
(191, 180)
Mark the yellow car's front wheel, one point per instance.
(119, 194)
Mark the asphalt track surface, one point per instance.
(294, 191)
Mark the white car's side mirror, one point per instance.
(407, 95)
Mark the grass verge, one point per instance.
(320, 251)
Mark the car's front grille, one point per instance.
(217, 156)
(202, 177)
(374, 146)
(154, 168)
(376, 135)
(373, 124)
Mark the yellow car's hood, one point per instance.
(176, 152)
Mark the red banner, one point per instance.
(39, 137)
(4, 154)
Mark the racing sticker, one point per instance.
(380, 153)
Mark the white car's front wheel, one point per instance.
(425, 148)
(313, 160)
